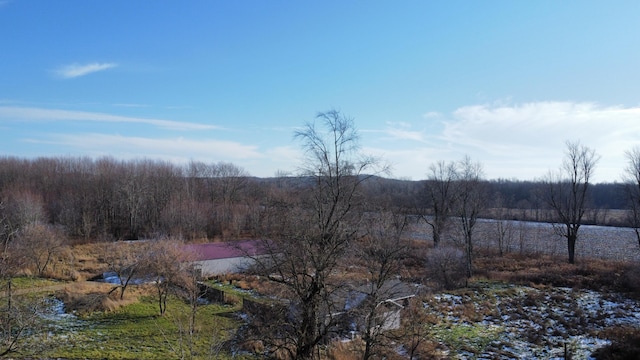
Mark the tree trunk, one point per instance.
(436, 236)
(306, 342)
(469, 248)
(571, 247)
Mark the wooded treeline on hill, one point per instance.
(131, 199)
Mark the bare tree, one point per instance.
(6, 230)
(39, 244)
(381, 251)
(503, 230)
(19, 315)
(165, 265)
(312, 231)
(439, 197)
(184, 216)
(631, 180)
(470, 201)
(20, 208)
(568, 190)
(415, 331)
(134, 190)
(127, 261)
(20, 319)
(230, 181)
(187, 287)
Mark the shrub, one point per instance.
(631, 280)
(446, 266)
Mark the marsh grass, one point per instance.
(594, 274)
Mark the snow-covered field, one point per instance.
(604, 242)
(517, 322)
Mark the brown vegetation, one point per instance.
(83, 298)
(625, 344)
(593, 274)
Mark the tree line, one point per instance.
(132, 199)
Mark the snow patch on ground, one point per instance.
(533, 323)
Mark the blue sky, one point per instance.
(506, 82)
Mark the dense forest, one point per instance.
(131, 199)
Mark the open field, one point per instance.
(600, 242)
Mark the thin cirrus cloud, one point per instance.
(404, 134)
(153, 147)
(179, 150)
(78, 70)
(397, 131)
(40, 114)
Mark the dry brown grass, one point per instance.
(594, 274)
(86, 260)
(85, 297)
(625, 344)
(339, 350)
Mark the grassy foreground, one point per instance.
(136, 331)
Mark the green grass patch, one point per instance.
(465, 337)
(229, 289)
(25, 282)
(137, 331)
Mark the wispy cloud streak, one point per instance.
(152, 147)
(39, 114)
(77, 70)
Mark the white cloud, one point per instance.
(398, 131)
(526, 140)
(534, 124)
(411, 163)
(39, 114)
(432, 115)
(77, 70)
(402, 134)
(521, 141)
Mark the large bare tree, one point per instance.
(568, 190)
(631, 180)
(439, 197)
(311, 231)
(470, 200)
